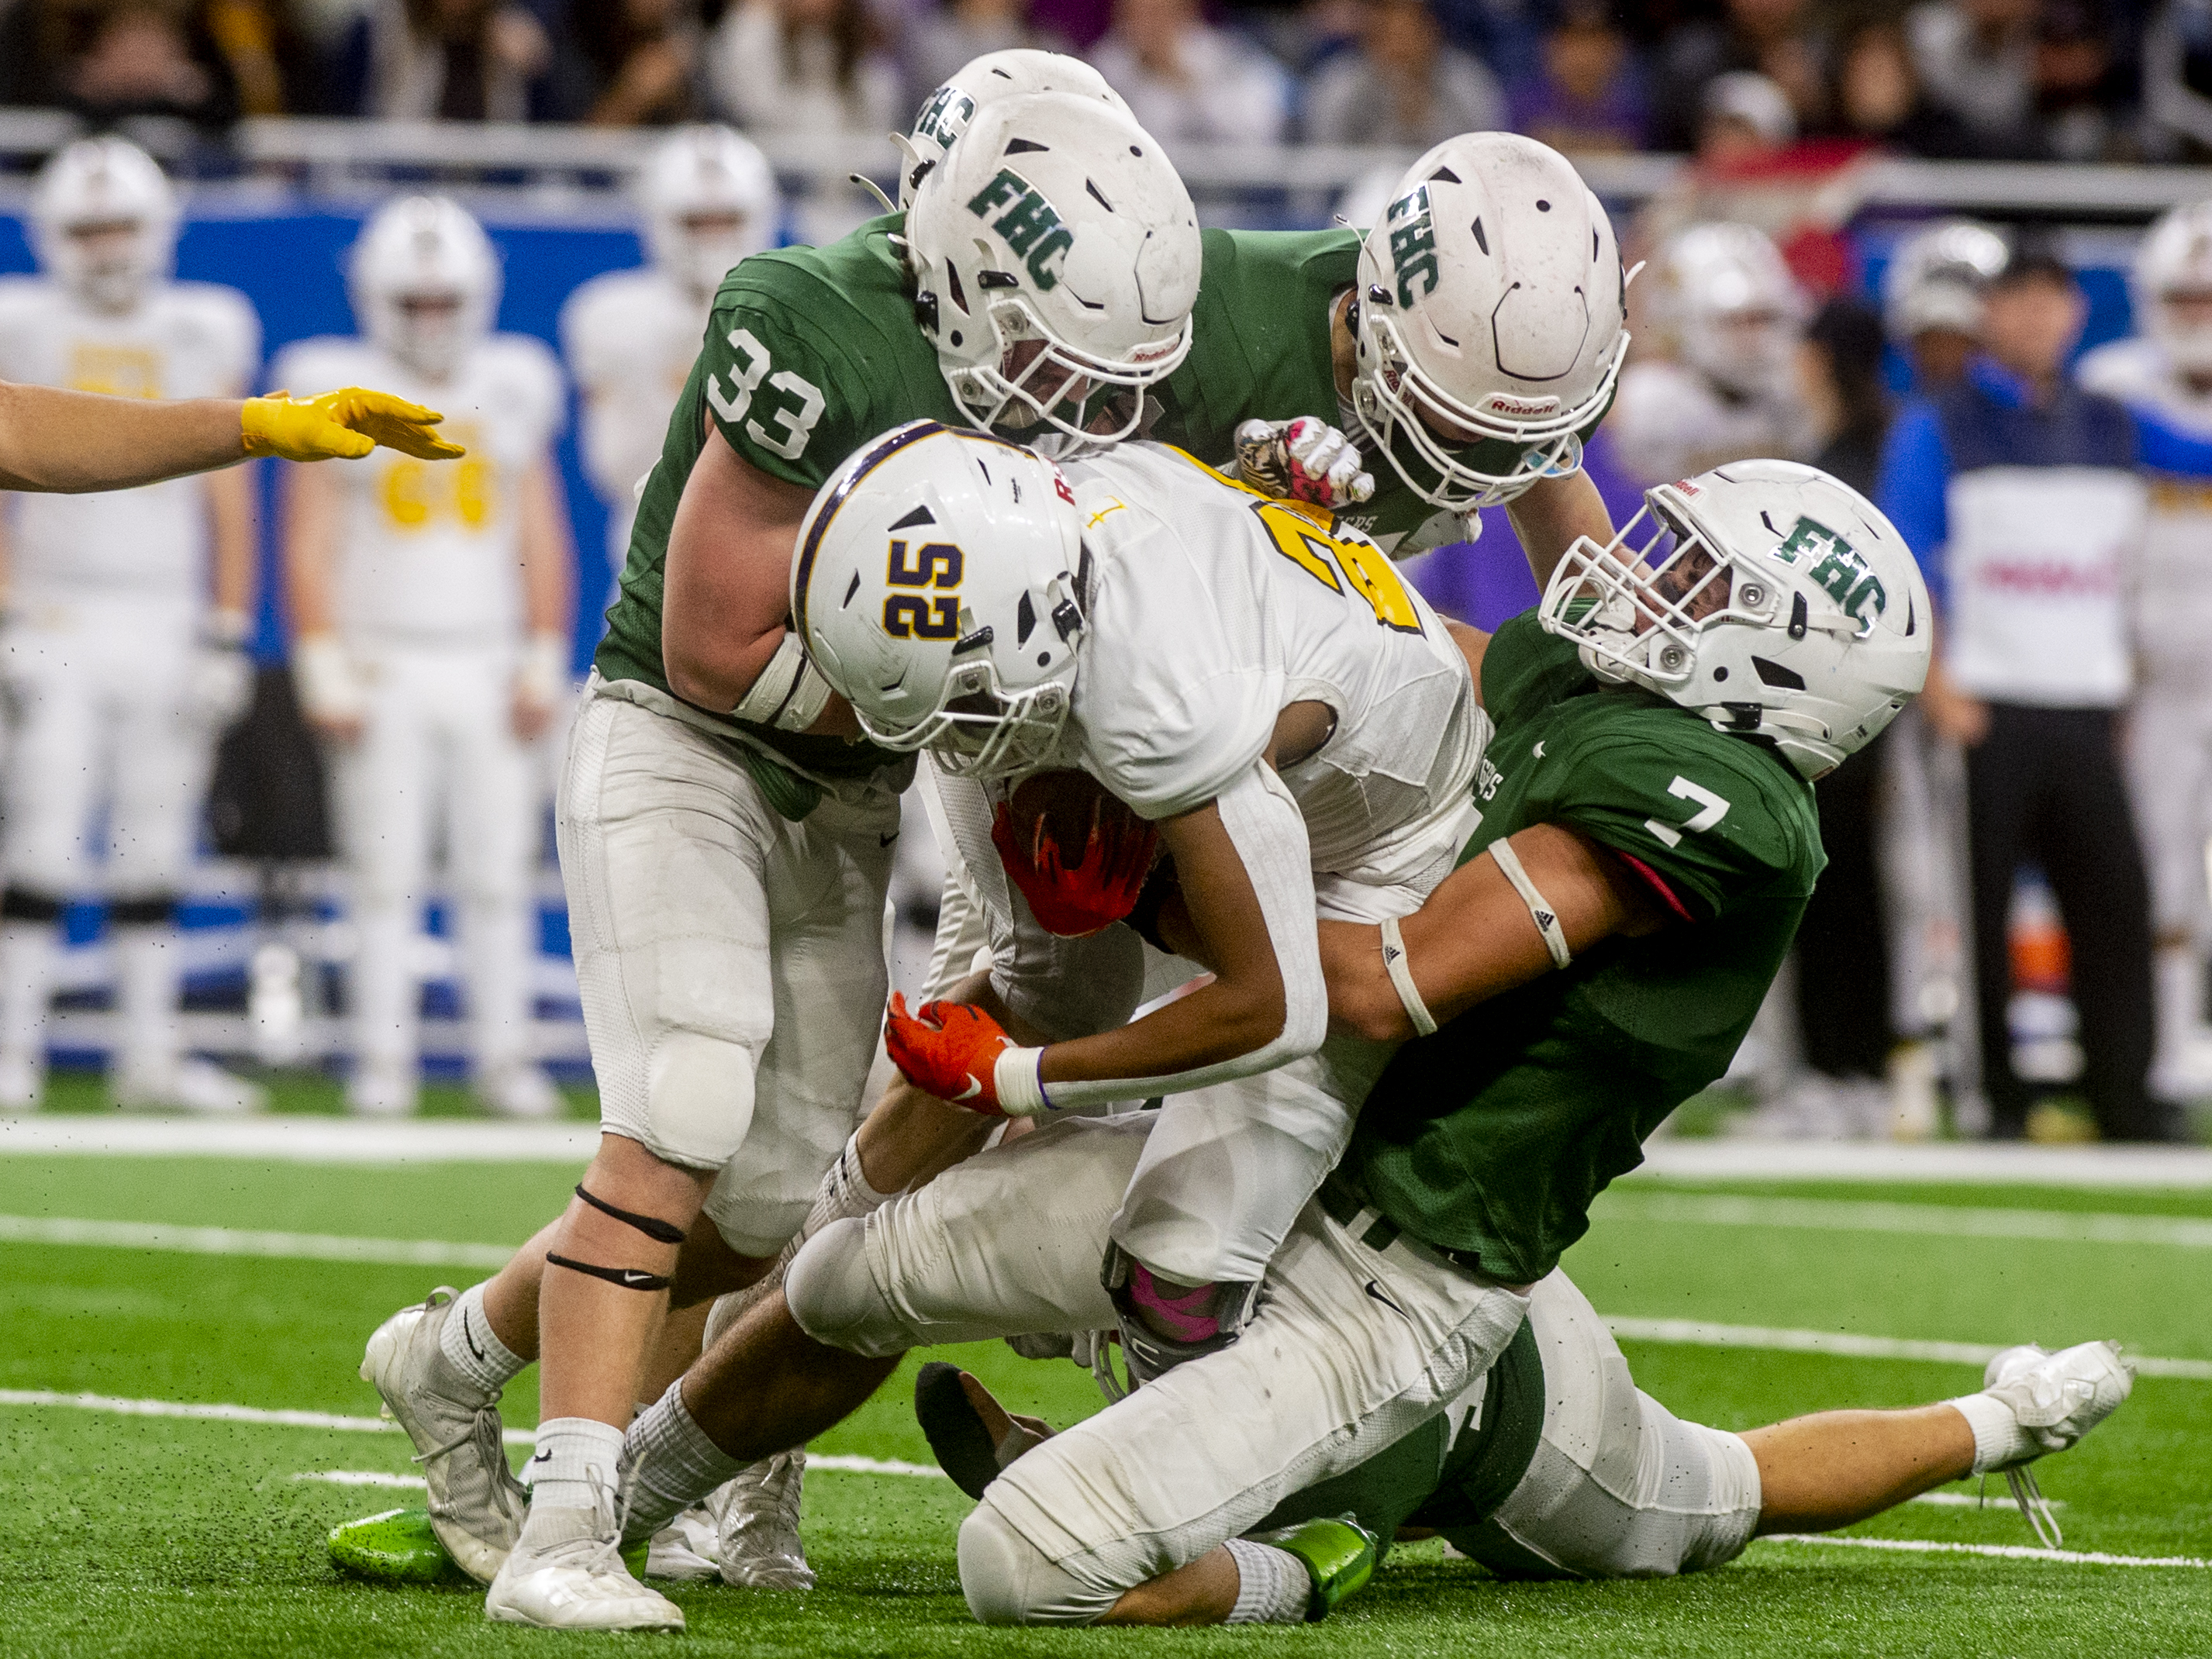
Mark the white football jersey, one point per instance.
(630, 337)
(2173, 570)
(430, 551)
(1212, 609)
(187, 340)
(1669, 422)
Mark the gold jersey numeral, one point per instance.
(417, 494)
(115, 371)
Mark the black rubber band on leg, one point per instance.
(27, 904)
(660, 1232)
(630, 1279)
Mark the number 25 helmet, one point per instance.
(1767, 596)
(424, 282)
(104, 216)
(1489, 328)
(1055, 257)
(938, 587)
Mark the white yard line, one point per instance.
(1967, 1162)
(365, 1478)
(1694, 1333)
(233, 1241)
(1933, 1220)
(2005, 1552)
(219, 1413)
(305, 1139)
(1966, 1500)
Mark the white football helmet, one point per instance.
(1935, 278)
(424, 282)
(1055, 256)
(1772, 599)
(1731, 305)
(2172, 284)
(1488, 321)
(939, 589)
(946, 113)
(709, 201)
(104, 219)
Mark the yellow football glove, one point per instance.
(347, 423)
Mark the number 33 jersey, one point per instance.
(430, 551)
(186, 340)
(1211, 609)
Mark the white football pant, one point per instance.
(103, 716)
(2169, 760)
(438, 753)
(1349, 1349)
(731, 961)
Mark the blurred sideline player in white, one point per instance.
(432, 609)
(2164, 375)
(128, 616)
(630, 337)
(1727, 312)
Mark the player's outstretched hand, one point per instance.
(344, 424)
(947, 1049)
(1305, 460)
(1076, 903)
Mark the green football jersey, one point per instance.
(1494, 1134)
(808, 353)
(1259, 348)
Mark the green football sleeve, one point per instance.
(780, 394)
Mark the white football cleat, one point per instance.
(579, 1582)
(687, 1550)
(758, 1515)
(477, 1505)
(2056, 1398)
(22, 1081)
(186, 1086)
(520, 1091)
(377, 1090)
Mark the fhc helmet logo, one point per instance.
(1836, 567)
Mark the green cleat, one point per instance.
(399, 1547)
(1339, 1556)
(395, 1547)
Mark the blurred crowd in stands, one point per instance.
(1747, 83)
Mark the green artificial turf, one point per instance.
(143, 1535)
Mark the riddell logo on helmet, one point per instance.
(1503, 402)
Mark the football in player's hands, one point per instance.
(1078, 854)
(948, 1049)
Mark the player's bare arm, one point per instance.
(1551, 515)
(1476, 937)
(71, 442)
(729, 582)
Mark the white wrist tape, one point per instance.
(789, 694)
(1016, 1082)
(1539, 908)
(1401, 979)
(542, 675)
(329, 684)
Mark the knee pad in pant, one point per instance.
(833, 1295)
(699, 1099)
(1007, 1580)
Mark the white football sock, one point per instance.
(148, 961)
(1272, 1585)
(577, 1460)
(27, 957)
(473, 1348)
(1999, 1440)
(670, 1462)
(2180, 1000)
